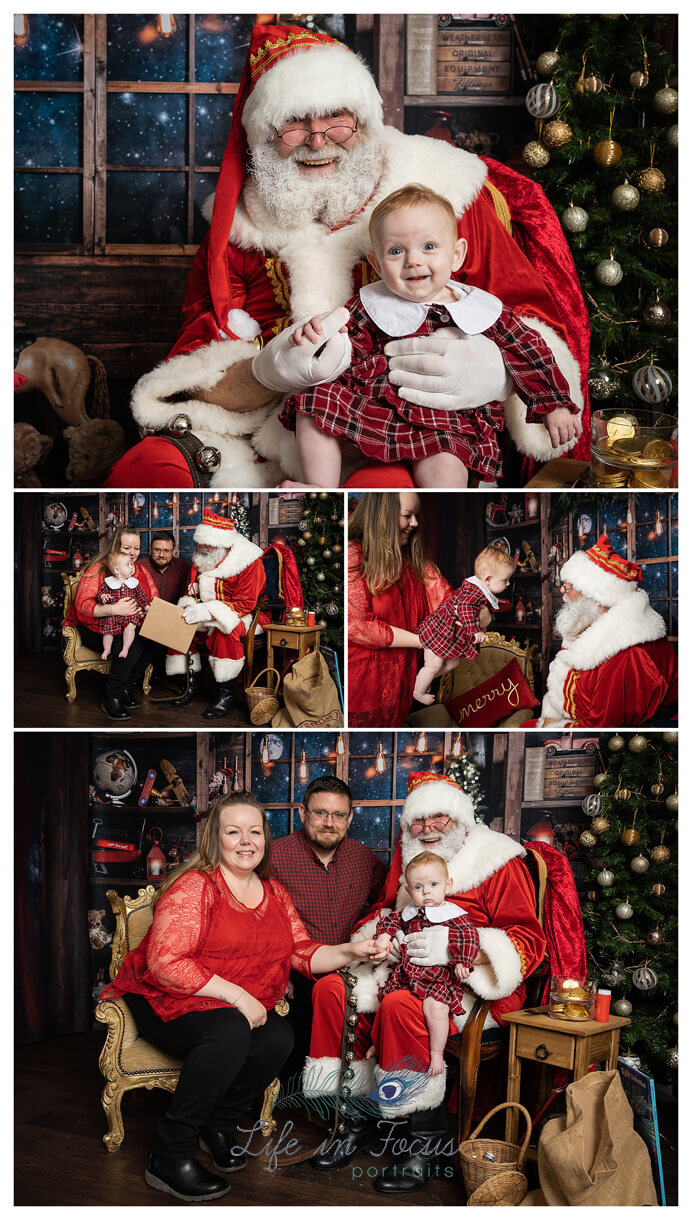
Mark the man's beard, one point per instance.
(323, 839)
(447, 848)
(293, 199)
(576, 616)
(206, 562)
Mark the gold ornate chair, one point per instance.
(76, 655)
(495, 652)
(127, 1060)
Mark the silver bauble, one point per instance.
(614, 975)
(670, 737)
(672, 136)
(644, 978)
(310, 561)
(637, 744)
(657, 314)
(653, 385)
(624, 910)
(603, 382)
(672, 802)
(591, 805)
(632, 1061)
(547, 63)
(542, 101)
(625, 197)
(608, 273)
(574, 219)
(639, 864)
(622, 1008)
(605, 878)
(320, 577)
(599, 780)
(665, 101)
(655, 937)
(672, 1058)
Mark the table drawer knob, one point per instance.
(542, 1051)
(283, 642)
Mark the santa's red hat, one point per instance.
(215, 530)
(289, 73)
(601, 574)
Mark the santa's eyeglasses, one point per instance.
(437, 822)
(295, 137)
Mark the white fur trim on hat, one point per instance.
(437, 796)
(603, 587)
(213, 535)
(320, 81)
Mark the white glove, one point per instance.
(197, 614)
(287, 369)
(428, 948)
(448, 371)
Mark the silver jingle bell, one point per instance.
(350, 1056)
(180, 424)
(208, 459)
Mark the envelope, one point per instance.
(165, 624)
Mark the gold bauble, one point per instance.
(591, 895)
(658, 238)
(307, 534)
(535, 154)
(656, 789)
(672, 802)
(637, 744)
(587, 839)
(322, 540)
(600, 825)
(665, 101)
(599, 780)
(556, 133)
(658, 890)
(670, 737)
(622, 794)
(630, 836)
(593, 84)
(660, 854)
(547, 63)
(639, 80)
(616, 743)
(607, 153)
(651, 180)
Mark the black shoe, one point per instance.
(128, 700)
(113, 708)
(184, 1178)
(413, 1172)
(218, 1145)
(187, 696)
(224, 703)
(346, 1144)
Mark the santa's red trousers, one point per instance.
(217, 644)
(397, 1030)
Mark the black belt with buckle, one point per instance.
(203, 461)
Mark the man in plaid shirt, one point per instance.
(333, 881)
(170, 574)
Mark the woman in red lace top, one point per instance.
(392, 587)
(202, 986)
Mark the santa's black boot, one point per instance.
(188, 695)
(356, 1136)
(225, 702)
(427, 1138)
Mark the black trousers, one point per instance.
(124, 673)
(300, 1018)
(226, 1068)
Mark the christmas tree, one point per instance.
(237, 509)
(606, 155)
(461, 767)
(321, 563)
(630, 912)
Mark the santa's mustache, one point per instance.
(444, 845)
(576, 616)
(206, 561)
(293, 197)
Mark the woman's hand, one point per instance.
(255, 1013)
(368, 951)
(290, 990)
(126, 605)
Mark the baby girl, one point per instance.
(454, 629)
(428, 884)
(121, 582)
(416, 251)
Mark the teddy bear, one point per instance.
(93, 448)
(99, 936)
(30, 449)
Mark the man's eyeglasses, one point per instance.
(322, 814)
(295, 137)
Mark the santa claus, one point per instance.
(615, 667)
(227, 579)
(493, 887)
(288, 240)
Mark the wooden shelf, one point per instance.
(520, 525)
(557, 802)
(439, 100)
(181, 809)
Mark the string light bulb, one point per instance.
(629, 514)
(658, 528)
(422, 743)
(236, 776)
(166, 24)
(302, 768)
(21, 29)
(380, 764)
(264, 752)
(340, 747)
(457, 747)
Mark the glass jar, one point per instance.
(629, 449)
(572, 997)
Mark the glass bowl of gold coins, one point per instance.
(629, 450)
(571, 998)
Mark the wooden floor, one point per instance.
(60, 1157)
(39, 684)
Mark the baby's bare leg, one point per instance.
(107, 640)
(319, 453)
(431, 667)
(128, 637)
(437, 1020)
(440, 470)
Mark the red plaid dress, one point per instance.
(437, 982)
(113, 624)
(363, 407)
(447, 637)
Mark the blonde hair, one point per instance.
(208, 855)
(113, 558)
(492, 559)
(411, 196)
(425, 857)
(374, 523)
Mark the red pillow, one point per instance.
(497, 697)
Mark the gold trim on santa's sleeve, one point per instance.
(282, 296)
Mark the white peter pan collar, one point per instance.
(473, 311)
(473, 580)
(114, 583)
(448, 910)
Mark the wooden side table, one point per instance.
(280, 635)
(575, 1045)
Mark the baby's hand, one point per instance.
(311, 330)
(461, 972)
(479, 636)
(383, 945)
(562, 426)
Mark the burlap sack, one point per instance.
(593, 1157)
(311, 699)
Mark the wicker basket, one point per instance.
(506, 1157)
(262, 700)
(504, 1190)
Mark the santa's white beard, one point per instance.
(576, 616)
(206, 562)
(294, 199)
(446, 846)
